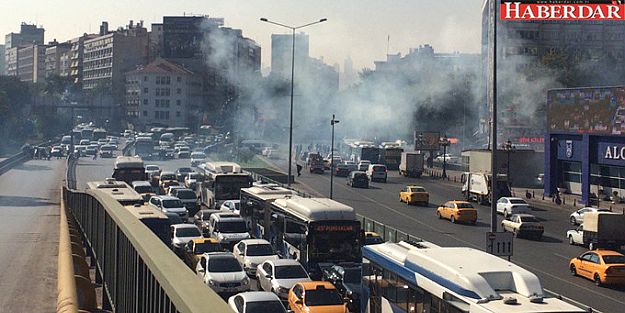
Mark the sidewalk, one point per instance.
(570, 202)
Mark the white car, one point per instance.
(523, 225)
(251, 252)
(447, 157)
(197, 158)
(577, 217)
(576, 236)
(233, 206)
(169, 204)
(170, 191)
(363, 165)
(279, 276)
(256, 302)
(190, 181)
(222, 272)
(181, 234)
(509, 205)
(377, 172)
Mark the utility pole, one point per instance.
(332, 122)
(492, 63)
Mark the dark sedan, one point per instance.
(358, 179)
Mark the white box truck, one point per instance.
(604, 230)
(476, 187)
(411, 164)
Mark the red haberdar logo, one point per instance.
(566, 10)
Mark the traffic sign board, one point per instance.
(499, 243)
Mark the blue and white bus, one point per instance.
(410, 277)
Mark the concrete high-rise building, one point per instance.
(54, 52)
(2, 61)
(282, 52)
(107, 57)
(162, 93)
(156, 43)
(348, 77)
(76, 57)
(28, 35)
(10, 57)
(31, 63)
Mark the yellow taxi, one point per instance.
(372, 238)
(316, 297)
(457, 212)
(414, 194)
(196, 248)
(601, 266)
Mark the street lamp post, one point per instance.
(444, 142)
(333, 121)
(293, 29)
(508, 148)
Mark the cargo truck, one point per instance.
(477, 188)
(604, 230)
(411, 164)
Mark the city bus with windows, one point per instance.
(86, 133)
(129, 169)
(123, 193)
(255, 200)
(318, 232)
(144, 147)
(221, 181)
(98, 133)
(409, 277)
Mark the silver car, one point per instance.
(278, 276)
(577, 217)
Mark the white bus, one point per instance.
(129, 169)
(423, 277)
(255, 200)
(318, 232)
(152, 218)
(221, 181)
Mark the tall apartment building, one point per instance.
(2, 61)
(162, 93)
(155, 41)
(282, 52)
(107, 57)
(76, 57)
(28, 35)
(56, 60)
(31, 63)
(10, 57)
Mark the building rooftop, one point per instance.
(162, 66)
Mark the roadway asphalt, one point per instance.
(29, 236)
(547, 258)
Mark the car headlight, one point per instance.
(283, 290)
(245, 281)
(212, 282)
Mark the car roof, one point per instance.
(167, 198)
(203, 240)
(177, 226)
(223, 254)
(255, 241)
(285, 262)
(459, 201)
(415, 186)
(167, 173)
(312, 285)
(371, 234)
(524, 215)
(258, 296)
(141, 183)
(606, 252)
(512, 198)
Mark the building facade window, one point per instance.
(145, 101)
(177, 113)
(145, 78)
(145, 113)
(145, 90)
(178, 91)
(178, 102)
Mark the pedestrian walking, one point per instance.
(299, 169)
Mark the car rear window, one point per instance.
(517, 201)
(614, 259)
(318, 297)
(464, 205)
(185, 194)
(529, 219)
(379, 168)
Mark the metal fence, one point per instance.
(388, 233)
(138, 273)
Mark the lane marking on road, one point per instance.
(475, 246)
(562, 256)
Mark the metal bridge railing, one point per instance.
(138, 273)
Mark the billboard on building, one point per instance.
(596, 110)
(426, 140)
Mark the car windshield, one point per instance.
(352, 276)
(223, 265)
(198, 155)
(232, 227)
(614, 259)
(379, 169)
(168, 177)
(151, 168)
(185, 194)
(185, 170)
(259, 250)
(193, 176)
(464, 205)
(418, 189)
(529, 219)
(264, 307)
(318, 297)
(517, 201)
(372, 240)
(204, 247)
(206, 217)
(188, 232)
(174, 203)
(290, 271)
(143, 189)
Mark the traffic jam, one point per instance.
(267, 248)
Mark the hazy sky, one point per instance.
(356, 28)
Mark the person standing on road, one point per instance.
(299, 169)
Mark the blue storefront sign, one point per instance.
(611, 153)
(569, 150)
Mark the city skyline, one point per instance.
(448, 25)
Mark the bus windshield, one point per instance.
(229, 187)
(335, 242)
(232, 227)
